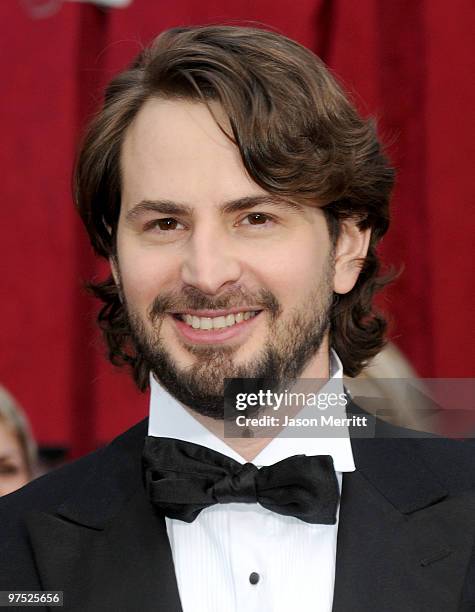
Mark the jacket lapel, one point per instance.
(111, 549)
(403, 543)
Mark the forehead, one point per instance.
(175, 150)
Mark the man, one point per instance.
(239, 199)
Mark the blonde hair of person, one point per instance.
(385, 377)
(12, 415)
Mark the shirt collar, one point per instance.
(169, 419)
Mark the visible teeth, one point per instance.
(217, 322)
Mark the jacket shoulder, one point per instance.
(95, 482)
(46, 493)
(451, 461)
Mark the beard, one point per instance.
(291, 343)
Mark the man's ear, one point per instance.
(352, 244)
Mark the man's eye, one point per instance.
(257, 219)
(163, 224)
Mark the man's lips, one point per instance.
(213, 336)
(214, 313)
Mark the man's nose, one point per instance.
(211, 261)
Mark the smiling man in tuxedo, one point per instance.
(239, 199)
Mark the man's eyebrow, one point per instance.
(166, 207)
(169, 207)
(262, 200)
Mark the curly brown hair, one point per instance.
(298, 134)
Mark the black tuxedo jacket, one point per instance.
(405, 536)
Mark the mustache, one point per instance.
(193, 299)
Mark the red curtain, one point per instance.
(406, 62)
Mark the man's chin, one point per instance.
(228, 359)
(200, 383)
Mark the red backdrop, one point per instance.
(408, 63)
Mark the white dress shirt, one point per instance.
(215, 555)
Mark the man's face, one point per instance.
(199, 240)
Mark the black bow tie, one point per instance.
(183, 478)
